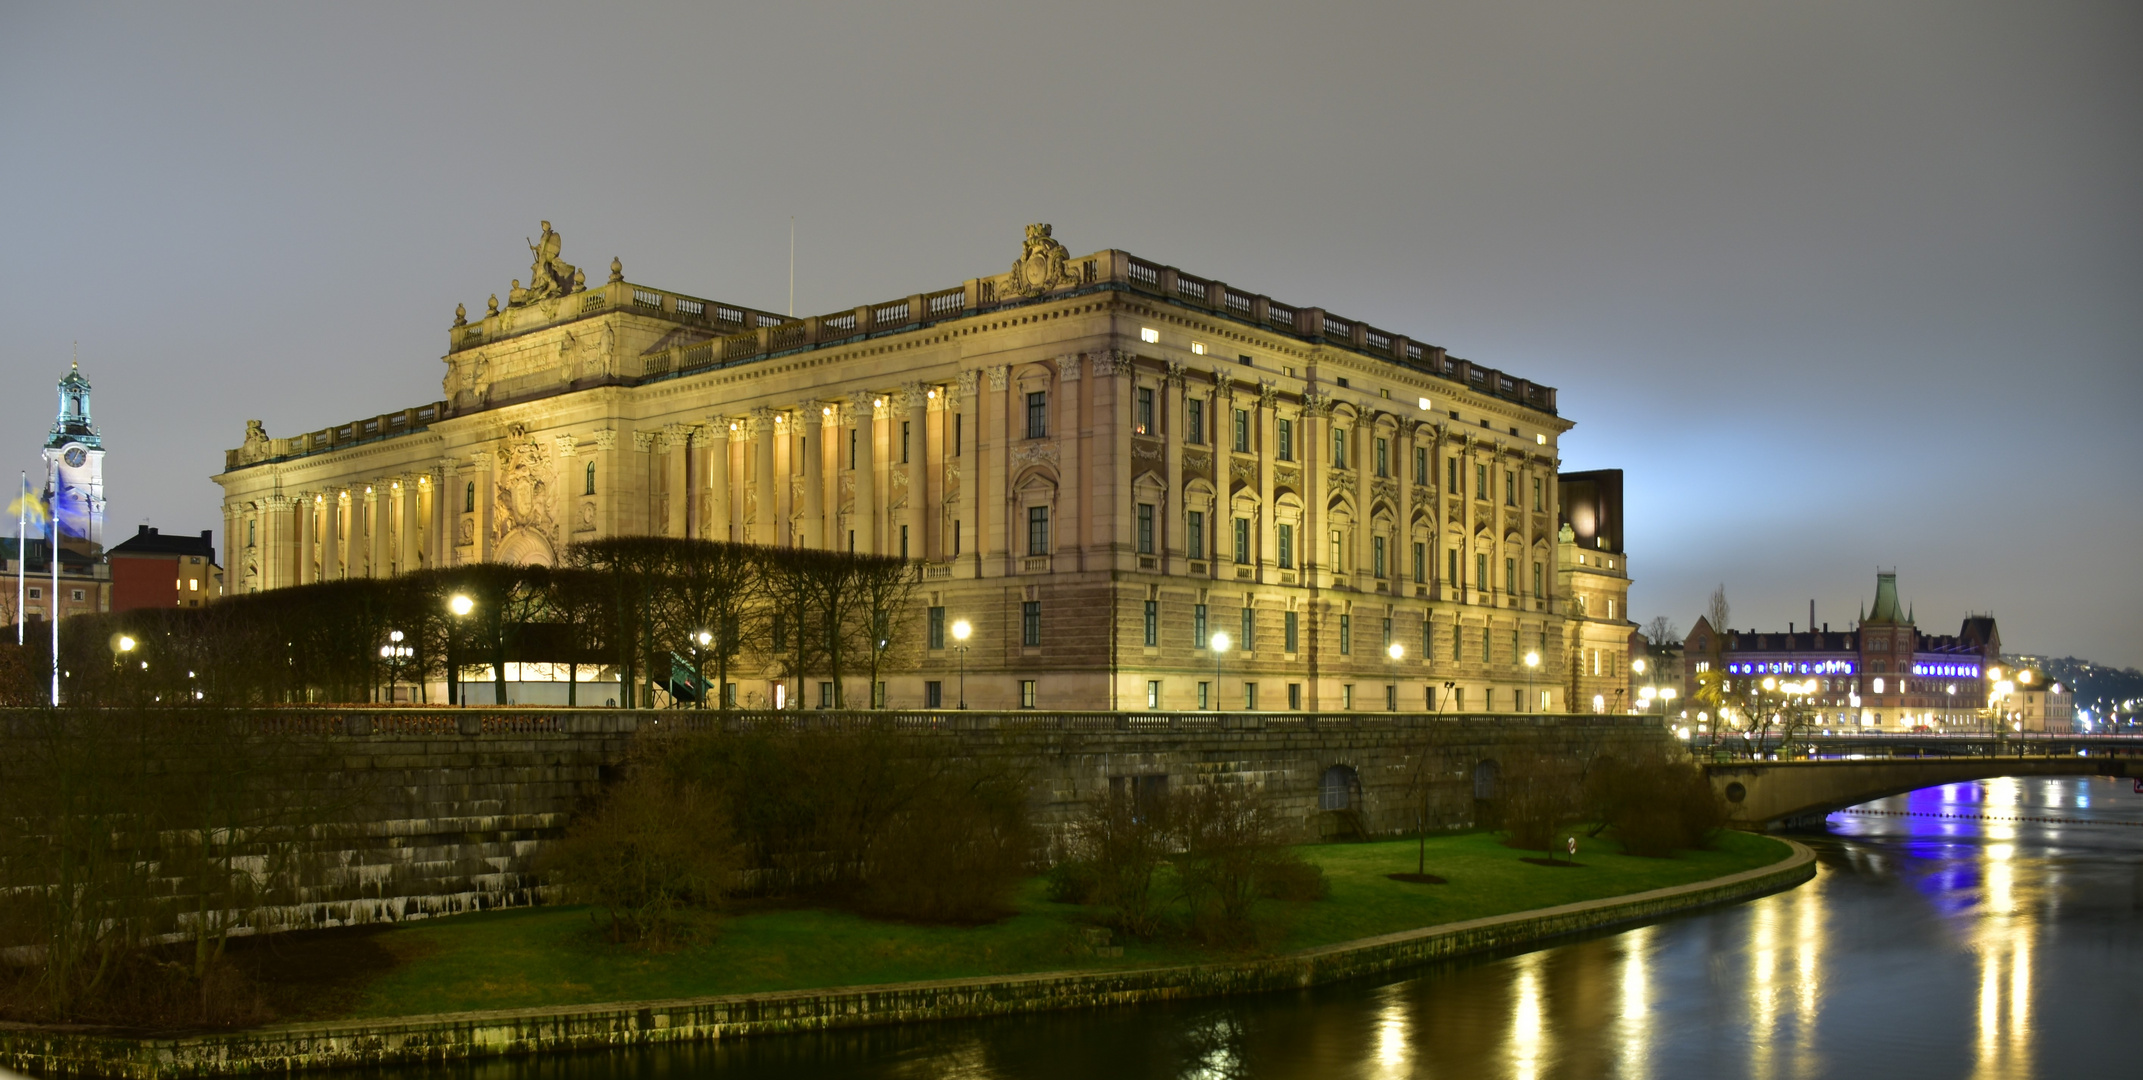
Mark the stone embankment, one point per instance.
(461, 1036)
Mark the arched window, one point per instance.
(589, 487)
(468, 498)
(1341, 789)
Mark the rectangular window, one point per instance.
(1194, 421)
(1536, 495)
(1250, 695)
(1026, 693)
(1194, 533)
(1458, 699)
(904, 432)
(1480, 481)
(1249, 629)
(1458, 644)
(1383, 457)
(937, 627)
(904, 541)
(1481, 580)
(1488, 646)
(1037, 531)
(1391, 698)
(1346, 696)
(1451, 567)
(1153, 623)
(959, 433)
(1421, 465)
(1339, 448)
(1387, 636)
(933, 694)
(1451, 477)
(1290, 631)
(1037, 414)
(1428, 638)
(1242, 540)
(1242, 431)
(825, 695)
(1294, 696)
(1144, 423)
(1537, 590)
(1205, 695)
(852, 433)
(1153, 693)
(1510, 575)
(1376, 555)
(1510, 488)
(1346, 634)
(1199, 640)
(1287, 547)
(1145, 528)
(1339, 565)
(1421, 562)
(955, 538)
(1030, 623)
(1287, 440)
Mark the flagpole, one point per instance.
(22, 555)
(52, 552)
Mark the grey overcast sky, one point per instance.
(1839, 285)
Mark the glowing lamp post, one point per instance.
(460, 605)
(1532, 666)
(392, 652)
(960, 632)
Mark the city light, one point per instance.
(1397, 650)
(460, 604)
(961, 629)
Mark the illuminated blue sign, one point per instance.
(1968, 671)
(1793, 667)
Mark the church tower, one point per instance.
(74, 468)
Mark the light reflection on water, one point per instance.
(1934, 947)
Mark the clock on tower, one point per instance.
(74, 467)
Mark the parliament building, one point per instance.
(1098, 461)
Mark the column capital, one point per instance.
(1000, 375)
(606, 439)
(644, 441)
(566, 445)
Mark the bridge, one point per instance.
(1768, 792)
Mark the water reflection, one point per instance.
(1938, 947)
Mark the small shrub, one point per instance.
(1291, 877)
(1125, 838)
(1233, 854)
(955, 853)
(1073, 881)
(1537, 794)
(1654, 806)
(653, 855)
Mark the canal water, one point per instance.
(1992, 929)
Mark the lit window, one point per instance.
(1424, 404)
(1198, 347)
(1148, 334)
(1541, 439)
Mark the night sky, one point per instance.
(1840, 285)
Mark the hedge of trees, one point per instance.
(669, 616)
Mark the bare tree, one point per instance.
(885, 590)
(1662, 631)
(1718, 612)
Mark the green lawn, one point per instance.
(553, 956)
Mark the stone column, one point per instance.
(993, 451)
(1169, 414)
(937, 446)
(1268, 436)
(916, 516)
(405, 533)
(486, 506)
(677, 479)
(379, 514)
(331, 534)
(1316, 546)
(1068, 534)
(277, 565)
(307, 513)
(719, 429)
(862, 414)
(762, 501)
(811, 453)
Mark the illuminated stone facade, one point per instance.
(1100, 462)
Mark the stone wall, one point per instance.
(462, 801)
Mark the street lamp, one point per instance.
(960, 631)
(1220, 645)
(1532, 665)
(460, 605)
(392, 652)
(700, 641)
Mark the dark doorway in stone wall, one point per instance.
(1339, 802)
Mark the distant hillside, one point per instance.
(2100, 688)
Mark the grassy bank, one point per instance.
(553, 956)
